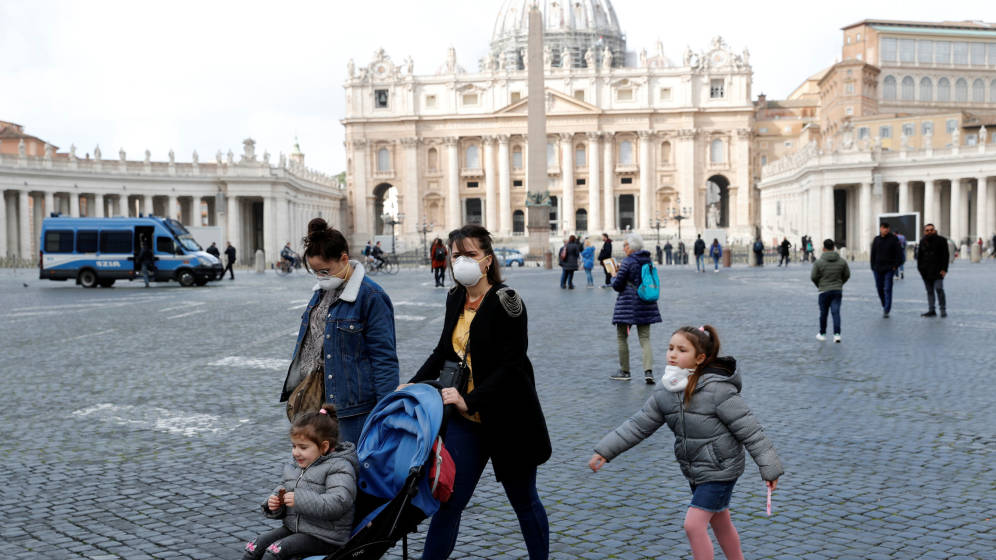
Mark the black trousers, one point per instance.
(281, 543)
(439, 274)
(229, 270)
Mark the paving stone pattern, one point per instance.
(144, 423)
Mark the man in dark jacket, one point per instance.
(668, 249)
(570, 252)
(759, 252)
(932, 262)
(146, 261)
(699, 250)
(830, 273)
(230, 256)
(606, 253)
(886, 256)
(631, 310)
(213, 250)
(783, 252)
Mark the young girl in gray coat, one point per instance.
(700, 401)
(317, 495)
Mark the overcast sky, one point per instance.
(204, 75)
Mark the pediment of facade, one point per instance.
(557, 103)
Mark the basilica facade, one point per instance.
(635, 141)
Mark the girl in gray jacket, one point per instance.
(700, 401)
(317, 495)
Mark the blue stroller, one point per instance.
(394, 493)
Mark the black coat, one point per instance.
(504, 385)
(230, 253)
(699, 247)
(605, 252)
(886, 253)
(572, 251)
(932, 257)
(213, 250)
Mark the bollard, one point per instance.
(727, 258)
(963, 252)
(548, 260)
(976, 253)
(259, 262)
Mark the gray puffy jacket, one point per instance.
(324, 496)
(710, 432)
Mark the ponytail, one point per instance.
(705, 340)
(318, 426)
(324, 242)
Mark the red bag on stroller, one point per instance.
(442, 471)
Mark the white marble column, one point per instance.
(490, 186)
(50, 203)
(828, 213)
(4, 251)
(23, 225)
(147, 205)
(866, 224)
(74, 204)
(982, 209)
(594, 181)
(453, 214)
(232, 217)
(930, 209)
(504, 188)
(646, 181)
(122, 209)
(171, 209)
(957, 227)
(567, 182)
(905, 197)
(270, 246)
(608, 186)
(413, 196)
(362, 229)
(98, 205)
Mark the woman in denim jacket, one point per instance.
(347, 332)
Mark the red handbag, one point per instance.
(442, 471)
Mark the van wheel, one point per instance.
(201, 282)
(106, 283)
(88, 278)
(185, 278)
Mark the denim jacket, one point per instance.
(361, 364)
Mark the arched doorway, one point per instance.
(385, 202)
(717, 203)
(518, 222)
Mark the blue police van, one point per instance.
(99, 251)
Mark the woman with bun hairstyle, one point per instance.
(347, 333)
(499, 418)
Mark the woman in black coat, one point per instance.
(571, 254)
(499, 411)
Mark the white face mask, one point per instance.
(675, 378)
(467, 271)
(328, 282)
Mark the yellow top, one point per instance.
(460, 340)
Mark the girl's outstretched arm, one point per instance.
(632, 431)
(596, 462)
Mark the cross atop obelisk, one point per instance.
(537, 184)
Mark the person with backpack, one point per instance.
(638, 285)
(569, 255)
(716, 252)
(759, 252)
(438, 254)
(699, 249)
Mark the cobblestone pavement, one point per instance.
(143, 423)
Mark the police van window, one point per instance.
(58, 241)
(164, 245)
(86, 241)
(115, 241)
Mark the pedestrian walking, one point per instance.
(346, 342)
(439, 252)
(230, 257)
(668, 248)
(810, 253)
(317, 494)
(885, 259)
(712, 424)
(699, 250)
(682, 254)
(146, 260)
(716, 252)
(829, 274)
(900, 272)
(783, 252)
(500, 419)
(932, 262)
(606, 253)
(213, 250)
(758, 252)
(631, 310)
(570, 253)
(588, 261)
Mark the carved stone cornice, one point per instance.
(410, 141)
(450, 140)
(744, 133)
(644, 134)
(502, 138)
(358, 143)
(489, 139)
(566, 136)
(685, 133)
(594, 136)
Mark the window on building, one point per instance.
(517, 183)
(991, 47)
(471, 157)
(624, 94)
(579, 94)
(717, 151)
(581, 219)
(518, 222)
(907, 51)
(86, 241)
(517, 157)
(926, 90)
(430, 101)
(950, 125)
(118, 242)
(59, 241)
(959, 50)
(626, 181)
(580, 182)
(924, 51)
(627, 211)
(474, 211)
(909, 129)
(666, 153)
(943, 90)
(383, 160)
(763, 130)
(788, 144)
(849, 110)
(626, 152)
(551, 155)
(888, 49)
(978, 91)
(885, 132)
(515, 96)
(961, 90)
(553, 213)
(380, 98)
(927, 128)
(849, 89)
(717, 88)
(473, 184)
(977, 52)
(579, 153)
(907, 91)
(889, 88)
(665, 94)
(470, 99)
(858, 37)
(942, 52)
(433, 158)
(864, 133)
(992, 92)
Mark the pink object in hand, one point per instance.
(769, 501)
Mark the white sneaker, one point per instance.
(821, 337)
(836, 338)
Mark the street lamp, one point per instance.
(424, 229)
(393, 221)
(657, 225)
(679, 213)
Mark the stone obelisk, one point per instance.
(537, 187)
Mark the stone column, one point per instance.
(490, 186)
(609, 185)
(4, 251)
(866, 224)
(23, 225)
(828, 213)
(231, 216)
(270, 246)
(594, 181)
(504, 187)
(362, 229)
(122, 205)
(413, 198)
(50, 203)
(957, 227)
(567, 182)
(171, 210)
(453, 214)
(646, 181)
(98, 203)
(930, 203)
(74, 204)
(982, 209)
(905, 198)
